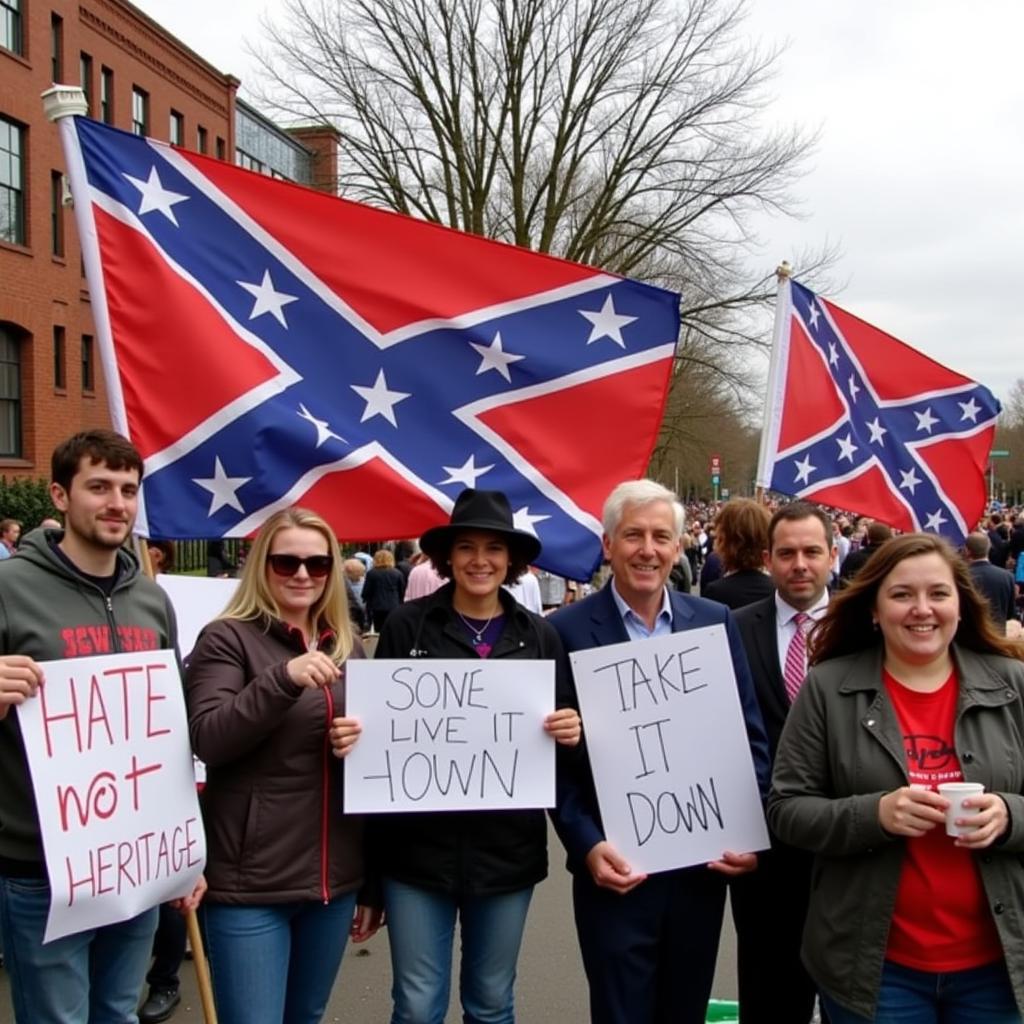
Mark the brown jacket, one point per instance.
(272, 804)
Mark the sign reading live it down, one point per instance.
(108, 750)
(668, 749)
(439, 735)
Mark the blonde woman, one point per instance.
(265, 693)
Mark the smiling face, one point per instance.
(479, 561)
(642, 551)
(918, 609)
(296, 595)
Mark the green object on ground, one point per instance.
(722, 1011)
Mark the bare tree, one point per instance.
(625, 134)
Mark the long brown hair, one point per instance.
(848, 627)
(741, 534)
(254, 601)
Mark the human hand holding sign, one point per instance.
(610, 870)
(20, 678)
(732, 864)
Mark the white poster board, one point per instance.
(668, 749)
(197, 600)
(440, 735)
(108, 751)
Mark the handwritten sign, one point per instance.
(668, 749)
(443, 735)
(108, 750)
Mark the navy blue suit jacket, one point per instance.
(596, 622)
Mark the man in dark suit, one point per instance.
(769, 906)
(649, 944)
(996, 585)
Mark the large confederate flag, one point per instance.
(266, 345)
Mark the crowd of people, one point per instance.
(872, 671)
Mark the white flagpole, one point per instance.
(776, 379)
(62, 104)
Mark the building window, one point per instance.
(60, 374)
(140, 111)
(56, 213)
(85, 74)
(202, 142)
(12, 182)
(222, 149)
(10, 25)
(10, 393)
(249, 162)
(56, 48)
(177, 129)
(107, 95)
(88, 364)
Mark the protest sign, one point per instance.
(108, 750)
(668, 749)
(197, 600)
(443, 735)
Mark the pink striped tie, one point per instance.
(796, 657)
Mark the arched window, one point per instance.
(10, 392)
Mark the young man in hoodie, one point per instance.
(69, 594)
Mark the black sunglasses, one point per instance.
(318, 566)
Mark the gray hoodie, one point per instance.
(49, 612)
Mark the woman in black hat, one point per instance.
(477, 866)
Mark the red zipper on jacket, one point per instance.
(325, 809)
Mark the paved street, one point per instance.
(551, 987)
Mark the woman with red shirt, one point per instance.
(910, 686)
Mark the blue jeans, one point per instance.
(981, 995)
(421, 929)
(275, 964)
(92, 977)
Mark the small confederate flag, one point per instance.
(859, 420)
(266, 345)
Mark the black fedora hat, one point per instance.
(479, 510)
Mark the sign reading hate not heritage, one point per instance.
(108, 750)
(668, 749)
(442, 735)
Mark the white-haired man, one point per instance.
(649, 943)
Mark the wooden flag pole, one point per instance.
(199, 961)
(195, 937)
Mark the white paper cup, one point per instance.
(956, 793)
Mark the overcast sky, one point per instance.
(919, 174)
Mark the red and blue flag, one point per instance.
(266, 345)
(861, 421)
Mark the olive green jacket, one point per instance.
(840, 752)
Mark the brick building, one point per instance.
(138, 77)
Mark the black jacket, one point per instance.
(383, 588)
(737, 589)
(997, 587)
(470, 853)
